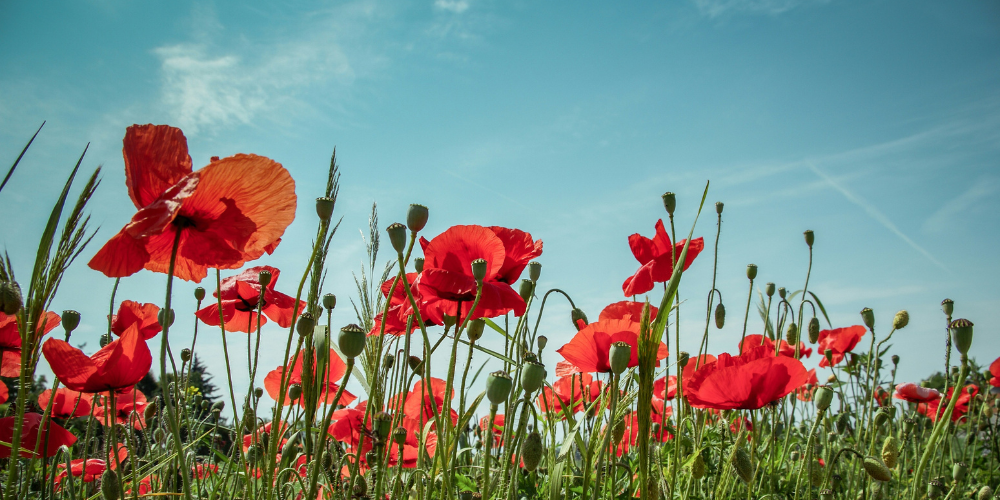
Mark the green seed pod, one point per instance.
(397, 236)
(498, 386)
(934, 489)
(959, 470)
(475, 329)
(541, 341)
(532, 375)
(399, 435)
(792, 334)
(698, 467)
(534, 270)
(985, 493)
(185, 354)
(961, 333)
(294, 392)
(576, 316)
(782, 292)
(876, 469)
(823, 397)
(199, 294)
(868, 316)
(258, 392)
(525, 290)
(479, 267)
(388, 361)
(669, 202)
(743, 465)
(418, 264)
(264, 278)
(751, 271)
(826, 494)
(70, 320)
(352, 340)
(948, 306)
(165, 317)
(718, 207)
(464, 495)
(531, 450)
(810, 237)
(10, 297)
(111, 487)
(329, 301)
(895, 359)
(901, 319)
(813, 330)
(890, 451)
(306, 324)
(619, 355)
(416, 217)
(383, 424)
(720, 316)
(324, 208)
(769, 289)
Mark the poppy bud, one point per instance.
(619, 355)
(669, 202)
(698, 466)
(815, 474)
(720, 316)
(383, 424)
(205, 405)
(475, 330)
(10, 297)
(901, 320)
(418, 264)
(831, 379)
(498, 386)
(479, 270)
(792, 334)
(743, 464)
(958, 471)
(397, 236)
(769, 289)
(150, 411)
(324, 208)
(985, 493)
(948, 306)
(881, 417)
(534, 270)
(532, 375)
(531, 450)
(682, 358)
(843, 423)
(526, 289)
(934, 489)
(111, 488)
(823, 397)
(810, 237)
(826, 494)
(416, 217)
(961, 333)
(352, 340)
(876, 469)
(329, 301)
(159, 436)
(868, 316)
(258, 392)
(399, 435)
(890, 451)
(782, 292)
(577, 315)
(414, 363)
(199, 294)
(294, 392)
(185, 354)
(541, 341)
(218, 406)
(70, 320)
(306, 324)
(751, 271)
(165, 317)
(828, 354)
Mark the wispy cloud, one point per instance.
(456, 6)
(716, 8)
(983, 188)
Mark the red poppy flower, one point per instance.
(68, 403)
(399, 307)
(747, 382)
(881, 396)
(255, 437)
(423, 404)
(627, 309)
(588, 349)
(573, 393)
(786, 349)
(447, 277)
(839, 341)
(739, 423)
(120, 364)
(202, 471)
(130, 406)
(4, 393)
(30, 427)
(995, 371)
(133, 313)
(498, 423)
(665, 388)
(935, 409)
(347, 428)
(806, 391)
(90, 469)
(240, 294)
(656, 257)
(228, 213)
(10, 341)
(147, 485)
(631, 421)
(328, 389)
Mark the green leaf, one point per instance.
(821, 309)
(497, 355)
(470, 411)
(465, 483)
(18, 160)
(496, 327)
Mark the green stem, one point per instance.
(165, 385)
(942, 423)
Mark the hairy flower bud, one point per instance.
(890, 451)
(901, 319)
(619, 355)
(414, 363)
(329, 301)
(258, 392)
(985, 493)
(352, 340)
(868, 316)
(743, 464)
(111, 487)
(416, 217)
(961, 333)
(150, 411)
(720, 316)
(532, 375)
(813, 329)
(531, 450)
(324, 208)
(669, 202)
(792, 334)
(199, 294)
(264, 278)
(948, 306)
(876, 469)
(577, 315)
(769, 289)
(810, 237)
(10, 297)
(751, 271)
(682, 358)
(475, 329)
(498, 386)
(698, 466)
(534, 270)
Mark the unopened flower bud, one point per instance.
(324, 208)
(669, 202)
(306, 324)
(792, 334)
(532, 376)
(828, 354)
(185, 354)
(352, 340)
(868, 316)
(418, 264)
(813, 330)
(388, 361)
(531, 450)
(479, 269)
(264, 278)
(218, 406)
(901, 319)
(698, 466)
(578, 315)
(258, 392)
(619, 355)
(416, 217)
(985, 493)
(823, 397)
(876, 469)
(475, 329)
(751, 271)
(165, 317)
(111, 487)
(948, 306)
(810, 237)
(682, 358)
(743, 464)
(720, 316)
(541, 341)
(150, 411)
(414, 363)
(329, 301)
(961, 333)
(498, 386)
(718, 207)
(10, 297)
(890, 451)
(199, 294)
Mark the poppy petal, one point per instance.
(156, 157)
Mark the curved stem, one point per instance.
(164, 384)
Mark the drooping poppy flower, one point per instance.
(30, 427)
(328, 388)
(936, 407)
(424, 403)
(995, 372)
(656, 257)
(628, 310)
(399, 307)
(497, 430)
(240, 295)
(881, 396)
(10, 341)
(129, 410)
(133, 313)
(229, 212)
(573, 393)
(256, 436)
(785, 349)
(447, 280)
(806, 391)
(839, 341)
(120, 364)
(588, 349)
(88, 469)
(747, 382)
(631, 423)
(68, 403)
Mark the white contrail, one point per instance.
(874, 213)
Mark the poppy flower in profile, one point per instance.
(656, 259)
(129, 410)
(399, 308)
(88, 469)
(573, 393)
(588, 349)
(68, 403)
(133, 313)
(627, 309)
(255, 437)
(120, 364)
(228, 212)
(995, 372)
(424, 403)
(746, 382)
(839, 341)
(498, 423)
(916, 394)
(30, 427)
(785, 349)
(446, 280)
(10, 341)
(934, 408)
(328, 388)
(240, 295)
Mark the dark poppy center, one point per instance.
(182, 222)
(247, 306)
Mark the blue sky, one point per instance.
(876, 124)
